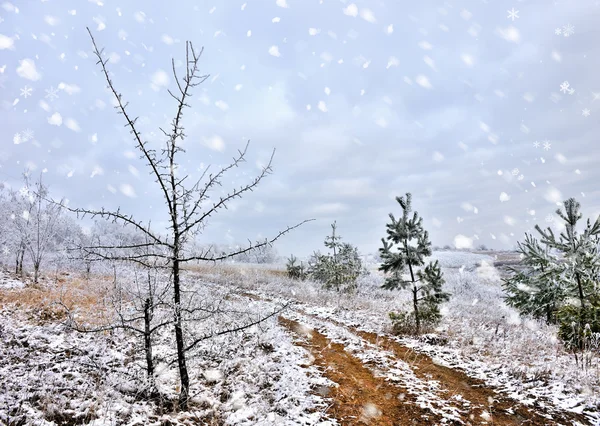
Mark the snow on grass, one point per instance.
(486, 338)
(50, 374)
(6, 282)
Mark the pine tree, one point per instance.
(580, 274)
(339, 269)
(535, 287)
(407, 235)
(294, 270)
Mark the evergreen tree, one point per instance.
(535, 287)
(294, 270)
(411, 241)
(579, 271)
(338, 269)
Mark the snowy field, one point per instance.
(269, 374)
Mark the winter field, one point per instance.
(322, 358)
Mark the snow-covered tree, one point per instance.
(579, 272)
(535, 288)
(338, 269)
(188, 207)
(405, 248)
(295, 270)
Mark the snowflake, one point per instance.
(515, 172)
(17, 139)
(558, 31)
(565, 87)
(596, 96)
(568, 30)
(24, 192)
(585, 112)
(521, 177)
(547, 145)
(549, 218)
(513, 14)
(27, 135)
(5, 250)
(26, 91)
(571, 91)
(536, 144)
(51, 94)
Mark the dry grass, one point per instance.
(50, 300)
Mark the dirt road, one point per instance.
(381, 382)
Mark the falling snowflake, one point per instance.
(17, 139)
(5, 250)
(549, 218)
(513, 14)
(547, 145)
(568, 30)
(26, 91)
(585, 112)
(27, 135)
(558, 31)
(515, 172)
(521, 177)
(536, 144)
(51, 94)
(565, 87)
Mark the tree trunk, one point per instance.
(148, 345)
(580, 288)
(36, 272)
(416, 309)
(20, 262)
(181, 362)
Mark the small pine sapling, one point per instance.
(295, 271)
(411, 241)
(535, 287)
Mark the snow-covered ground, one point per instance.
(486, 339)
(51, 375)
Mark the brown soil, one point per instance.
(502, 410)
(360, 398)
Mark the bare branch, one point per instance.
(203, 256)
(152, 162)
(236, 329)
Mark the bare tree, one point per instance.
(189, 206)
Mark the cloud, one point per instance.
(6, 42)
(328, 208)
(553, 195)
(159, 79)
(27, 70)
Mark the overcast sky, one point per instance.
(487, 111)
